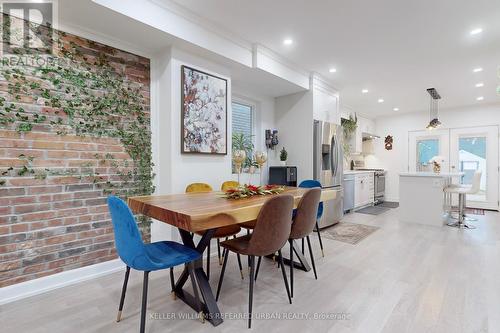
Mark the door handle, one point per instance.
(332, 157)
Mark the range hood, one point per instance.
(369, 136)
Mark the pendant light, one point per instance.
(434, 109)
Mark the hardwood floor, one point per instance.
(402, 278)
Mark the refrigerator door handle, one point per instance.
(337, 152)
(333, 153)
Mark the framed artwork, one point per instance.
(204, 113)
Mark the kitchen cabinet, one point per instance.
(365, 125)
(325, 101)
(364, 189)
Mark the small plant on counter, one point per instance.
(283, 155)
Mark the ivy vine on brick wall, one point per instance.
(83, 93)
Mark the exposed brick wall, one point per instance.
(61, 222)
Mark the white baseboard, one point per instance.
(47, 283)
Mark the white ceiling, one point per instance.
(87, 16)
(394, 48)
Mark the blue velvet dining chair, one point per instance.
(146, 257)
(310, 183)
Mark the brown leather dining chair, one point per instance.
(222, 232)
(270, 234)
(303, 225)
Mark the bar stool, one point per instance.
(222, 232)
(462, 191)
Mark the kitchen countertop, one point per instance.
(431, 174)
(353, 172)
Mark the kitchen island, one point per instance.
(422, 199)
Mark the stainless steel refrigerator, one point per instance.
(328, 157)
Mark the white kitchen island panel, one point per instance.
(422, 199)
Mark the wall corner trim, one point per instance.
(47, 283)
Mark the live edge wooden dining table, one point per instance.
(191, 212)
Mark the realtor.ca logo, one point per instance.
(27, 27)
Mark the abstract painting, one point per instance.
(204, 112)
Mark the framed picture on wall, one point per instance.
(204, 112)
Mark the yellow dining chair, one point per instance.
(228, 185)
(222, 232)
(198, 187)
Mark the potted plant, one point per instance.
(283, 156)
(242, 142)
(349, 126)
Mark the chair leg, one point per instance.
(250, 291)
(122, 298)
(461, 215)
(241, 267)
(172, 283)
(208, 260)
(144, 301)
(218, 252)
(248, 258)
(284, 276)
(312, 257)
(258, 267)
(225, 253)
(291, 267)
(319, 238)
(303, 247)
(239, 262)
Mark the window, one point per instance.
(243, 130)
(426, 149)
(243, 119)
(472, 157)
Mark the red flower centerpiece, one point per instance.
(247, 190)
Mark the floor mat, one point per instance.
(373, 210)
(474, 211)
(389, 204)
(351, 233)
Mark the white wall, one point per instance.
(396, 160)
(294, 120)
(173, 169)
(264, 119)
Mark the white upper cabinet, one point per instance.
(325, 101)
(365, 125)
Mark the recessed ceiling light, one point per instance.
(364, 91)
(480, 98)
(479, 85)
(477, 70)
(287, 41)
(381, 100)
(476, 31)
(396, 109)
(332, 70)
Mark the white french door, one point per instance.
(464, 150)
(476, 149)
(424, 145)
